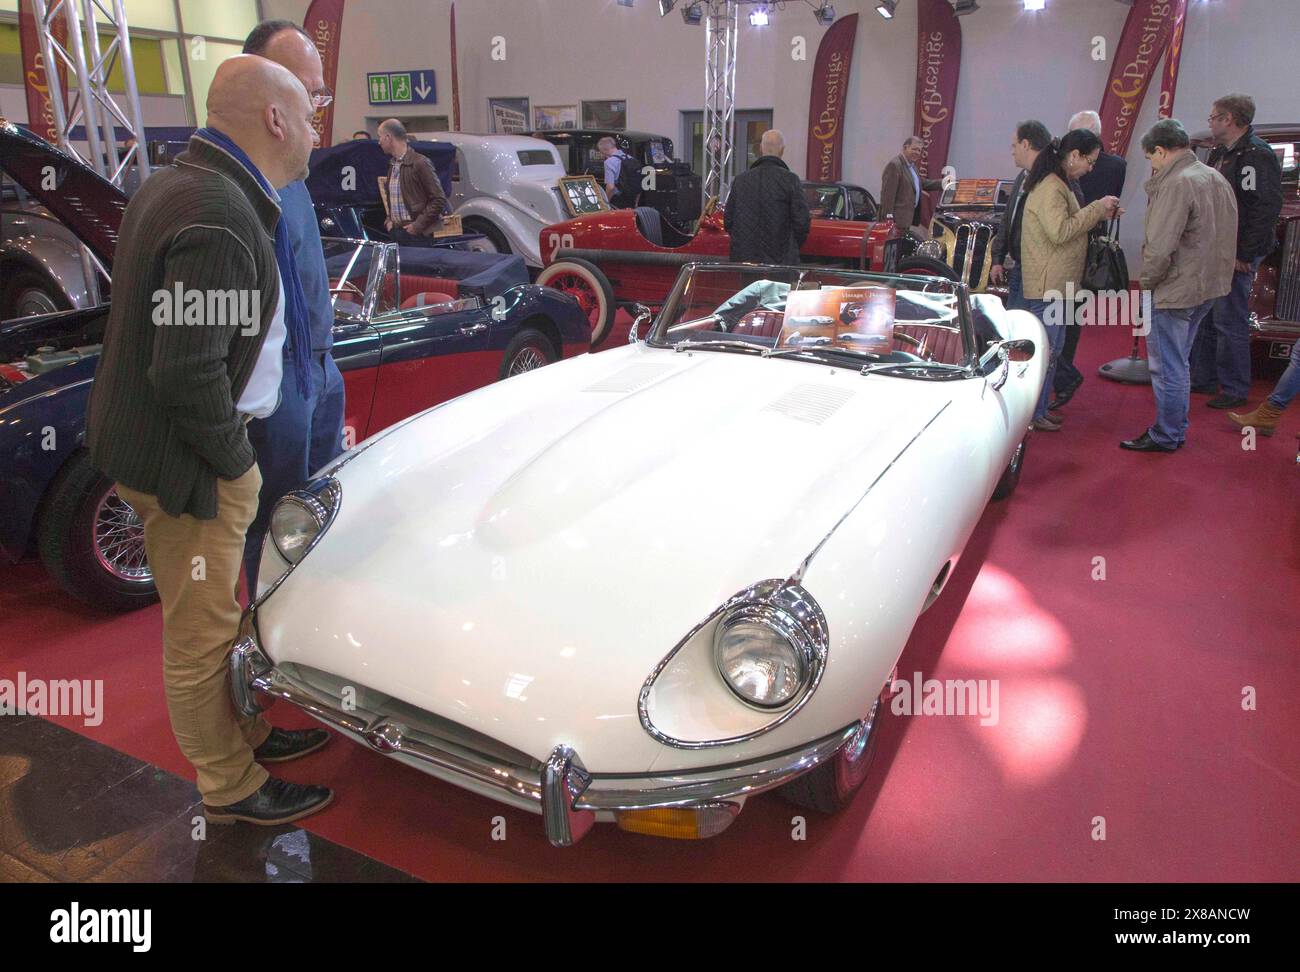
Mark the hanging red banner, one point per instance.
(455, 77)
(324, 25)
(830, 88)
(938, 63)
(40, 106)
(1144, 39)
(1174, 54)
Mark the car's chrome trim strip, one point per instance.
(567, 795)
(45, 394)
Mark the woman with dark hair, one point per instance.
(1054, 242)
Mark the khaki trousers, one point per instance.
(196, 567)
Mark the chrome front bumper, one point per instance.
(562, 791)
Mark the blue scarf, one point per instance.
(296, 320)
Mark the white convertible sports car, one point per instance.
(648, 584)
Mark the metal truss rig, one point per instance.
(720, 32)
(92, 105)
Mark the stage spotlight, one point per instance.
(825, 14)
(963, 7)
(693, 14)
(886, 8)
(625, 3)
(1035, 4)
(666, 7)
(758, 17)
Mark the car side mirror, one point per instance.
(640, 315)
(1018, 351)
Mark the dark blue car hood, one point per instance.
(369, 163)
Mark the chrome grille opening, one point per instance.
(1288, 278)
(425, 726)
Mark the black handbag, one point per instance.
(1106, 268)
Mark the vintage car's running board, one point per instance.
(638, 256)
(563, 792)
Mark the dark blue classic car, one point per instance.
(414, 326)
(344, 185)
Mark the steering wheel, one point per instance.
(347, 287)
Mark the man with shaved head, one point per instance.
(306, 431)
(767, 214)
(194, 347)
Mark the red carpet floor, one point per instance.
(1120, 699)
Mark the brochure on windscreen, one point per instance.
(858, 318)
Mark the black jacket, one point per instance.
(1105, 179)
(767, 215)
(1252, 169)
(162, 416)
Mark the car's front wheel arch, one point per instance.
(90, 540)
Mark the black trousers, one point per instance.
(1066, 373)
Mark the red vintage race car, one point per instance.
(623, 257)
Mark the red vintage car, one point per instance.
(623, 257)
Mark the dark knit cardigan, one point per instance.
(162, 417)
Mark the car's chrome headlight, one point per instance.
(299, 518)
(932, 249)
(768, 651)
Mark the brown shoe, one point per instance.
(1263, 419)
(1046, 425)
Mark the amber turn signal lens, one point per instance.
(695, 823)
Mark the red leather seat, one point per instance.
(761, 323)
(413, 284)
(937, 343)
(426, 298)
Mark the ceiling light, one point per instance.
(693, 14)
(963, 7)
(1035, 4)
(886, 8)
(758, 17)
(666, 7)
(825, 14)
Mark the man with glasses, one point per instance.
(306, 430)
(1221, 358)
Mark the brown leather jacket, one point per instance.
(421, 193)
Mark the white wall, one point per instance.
(1015, 65)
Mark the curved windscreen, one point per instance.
(838, 315)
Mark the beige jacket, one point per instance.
(1191, 234)
(1054, 237)
(897, 192)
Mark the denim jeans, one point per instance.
(297, 439)
(1288, 386)
(1173, 331)
(1067, 375)
(1016, 290)
(1222, 352)
(1050, 313)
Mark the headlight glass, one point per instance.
(295, 522)
(760, 660)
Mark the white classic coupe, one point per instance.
(647, 584)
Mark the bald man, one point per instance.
(767, 214)
(306, 431)
(193, 349)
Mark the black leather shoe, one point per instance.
(283, 745)
(1144, 443)
(1226, 401)
(275, 802)
(1063, 398)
